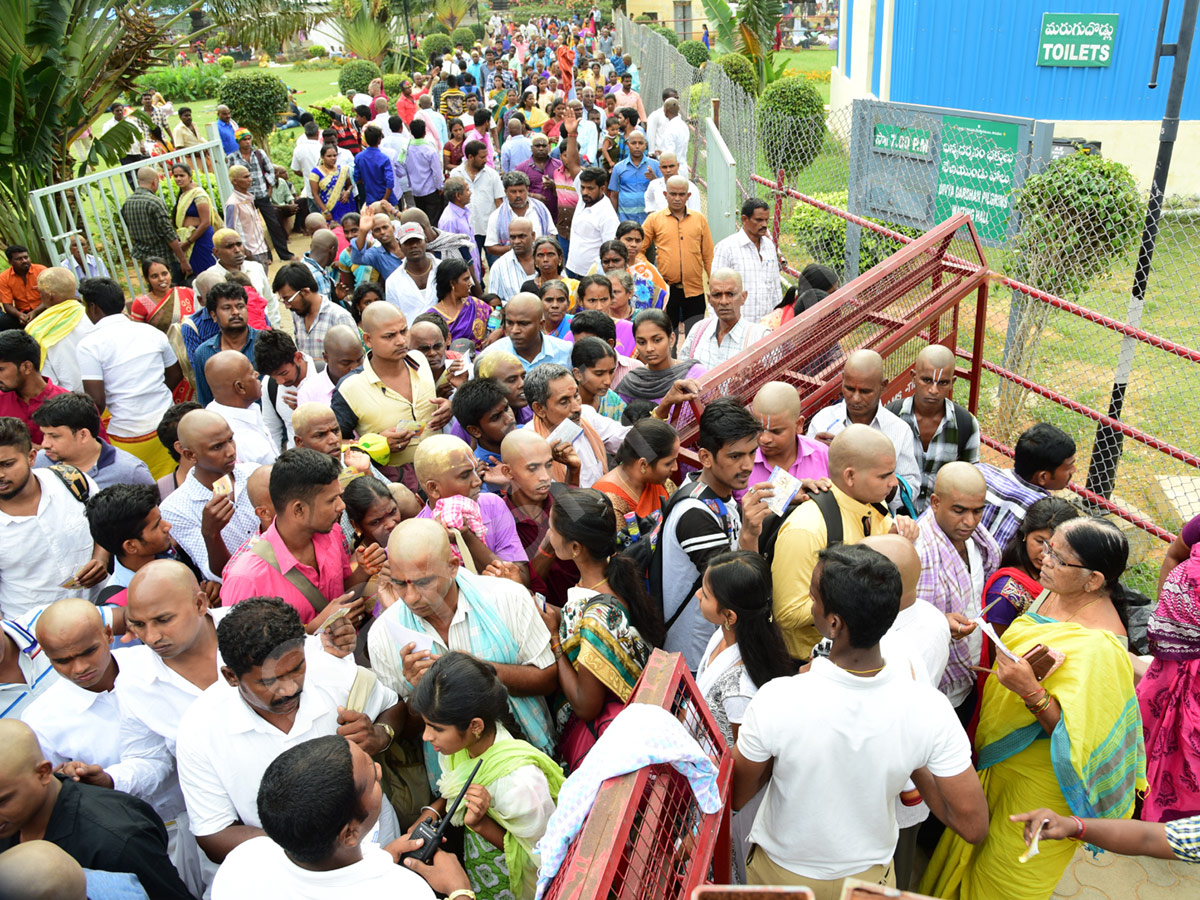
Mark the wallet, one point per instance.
(1043, 660)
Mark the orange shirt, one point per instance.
(684, 247)
(21, 293)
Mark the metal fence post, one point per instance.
(777, 226)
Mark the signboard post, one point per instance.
(1079, 40)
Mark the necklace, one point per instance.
(596, 585)
(1081, 609)
(863, 671)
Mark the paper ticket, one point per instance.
(1032, 850)
(223, 486)
(991, 632)
(786, 485)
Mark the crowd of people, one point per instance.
(295, 553)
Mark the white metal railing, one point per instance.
(90, 207)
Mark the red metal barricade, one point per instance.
(909, 300)
(646, 837)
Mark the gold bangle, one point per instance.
(462, 892)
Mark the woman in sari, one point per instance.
(555, 303)
(535, 117)
(465, 316)
(193, 219)
(507, 108)
(603, 636)
(641, 480)
(548, 266)
(1094, 763)
(165, 307)
(452, 150)
(655, 338)
(593, 363)
(331, 187)
(1016, 581)
(1169, 696)
(553, 126)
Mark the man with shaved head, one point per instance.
(429, 594)
(341, 353)
(386, 255)
(782, 442)
(725, 333)
(942, 430)
(75, 718)
(511, 270)
(862, 386)
(684, 248)
(230, 252)
(958, 556)
(39, 870)
(862, 467)
(395, 394)
(98, 828)
(523, 335)
(236, 391)
(656, 190)
(207, 522)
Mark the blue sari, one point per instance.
(331, 187)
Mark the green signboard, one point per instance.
(976, 168)
(1078, 40)
(902, 139)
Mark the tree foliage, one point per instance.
(750, 32)
(791, 123)
(356, 76)
(436, 45)
(694, 52)
(464, 36)
(668, 34)
(740, 71)
(255, 98)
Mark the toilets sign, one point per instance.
(1079, 40)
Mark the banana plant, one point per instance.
(751, 32)
(451, 13)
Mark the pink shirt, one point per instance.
(812, 461)
(249, 575)
(485, 139)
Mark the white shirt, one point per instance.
(759, 268)
(656, 197)
(402, 292)
(923, 629)
(254, 445)
(62, 359)
(512, 603)
(129, 358)
(259, 868)
(671, 136)
(224, 747)
(703, 347)
(40, 552)
(184, 509)
(34, 665)
(591, 227)
(76, 724)
(838, 818)
(654, 121)
(305, 157)
(833, 419)
(588, 136)
(493, 227)
(278, 417)
(486, 189)
(611, 434)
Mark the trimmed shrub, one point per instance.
(433, 26)
(255, 99)
(322, 118)
(823, 236)
(699, 101)
(668, 33)
(694, 52)
(357, 76)
(182, 83)
(436, 45)
(478, 30)
(740, 71)
(462, 35)
(391, 85)
(316, 51)
(225, 62)
(791, 123)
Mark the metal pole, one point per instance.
(1106, 451)
(408, 32)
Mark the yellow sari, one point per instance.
(1093, 765)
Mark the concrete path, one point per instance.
(1113, 877)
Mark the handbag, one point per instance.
(401, 764)
(579, 737)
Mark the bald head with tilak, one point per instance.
(933, 381)
(75, 639)
(958, 500)
(27, 783)
(168, 612)
(899, 550)
(862, 463)
(423, 567)
(445, 467)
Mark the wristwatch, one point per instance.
(390, 732)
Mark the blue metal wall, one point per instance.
(847, 20)
(973, 54)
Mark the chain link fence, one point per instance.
(1065, 336)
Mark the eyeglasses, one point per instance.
(1048, 555)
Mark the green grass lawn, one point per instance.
(311, 87)
(800, 61)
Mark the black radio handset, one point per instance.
(430, 835)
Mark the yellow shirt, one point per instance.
(800, 539)
(684, 247)
(379, 408)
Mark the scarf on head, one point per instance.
(449, 242)
(1174, 628)
(593, 439)
(54, 324)
(647, 384)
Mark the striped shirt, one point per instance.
(759, 268)
(943, 447)
(1183, 837)
(1008, 498)
(33, 663)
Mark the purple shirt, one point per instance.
(541, 184)
(502, 538)
(424, 167)
(457, 219)
(812, 461)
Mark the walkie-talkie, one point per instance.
(430, 835)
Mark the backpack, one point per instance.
(73, 480)
(962, 422)
(830, 512)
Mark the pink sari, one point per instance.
(1169, 696)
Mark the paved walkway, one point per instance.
(1113, 877)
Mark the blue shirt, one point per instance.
(515, 151)
(554, 350)
(196, 329)
(377, 258)
(113, 466)
(207, 351)
(375, 170)
(630, 183)
(228, 141)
